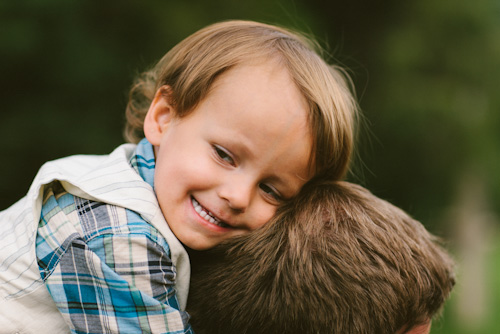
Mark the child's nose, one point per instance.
(237, 194)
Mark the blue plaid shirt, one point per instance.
(107, 269)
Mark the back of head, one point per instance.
(336, 259)
(193, 65)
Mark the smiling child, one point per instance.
(229, 125)
(223, 169)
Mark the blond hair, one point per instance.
(191, 67)
(336, 259)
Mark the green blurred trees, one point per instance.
(436, 112)
(67, 65)
(432, 105)
(427, 74)
(439, 67)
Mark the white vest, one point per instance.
(25, 303)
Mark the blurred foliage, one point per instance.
(428, 93)
(433, 99)
(426, 74)
(67, 65)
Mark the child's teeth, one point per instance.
(206, 215)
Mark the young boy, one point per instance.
(236, 118)
(336, 259)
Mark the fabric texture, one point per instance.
(103, 245)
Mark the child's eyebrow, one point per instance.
(242, 148)
(286, 187)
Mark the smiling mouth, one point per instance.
(207, 215)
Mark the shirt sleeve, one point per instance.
(107, 269)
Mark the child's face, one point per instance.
(223, 169)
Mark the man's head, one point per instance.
(336, 259)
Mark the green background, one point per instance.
(427, 75)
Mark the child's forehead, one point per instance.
(249, 88)
(259, 82)
(272, 64)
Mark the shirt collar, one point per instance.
(143, 161)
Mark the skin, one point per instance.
(243, 150)
(419, 329)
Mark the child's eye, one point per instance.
(223, 155)
(268, 190)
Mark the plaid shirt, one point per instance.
(107, 269)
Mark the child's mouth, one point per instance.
(207, 215)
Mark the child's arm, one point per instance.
(107, 269)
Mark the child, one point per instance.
(336, 259)
(237, 117)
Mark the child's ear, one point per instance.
(159, 115)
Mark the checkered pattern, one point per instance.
(107, 269)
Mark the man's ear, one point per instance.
(159, 115)
(419, 329)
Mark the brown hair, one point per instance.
(336, 259)
(191, 67)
